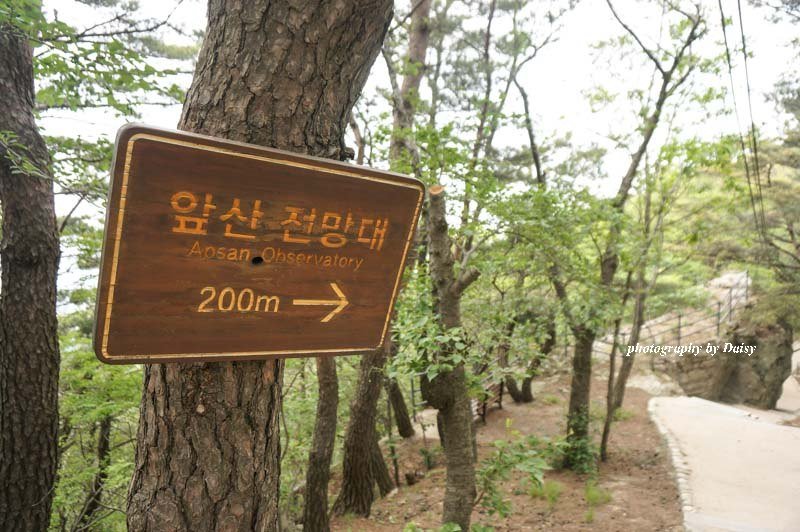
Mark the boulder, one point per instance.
(757, 380)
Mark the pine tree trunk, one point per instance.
(378, 468)
(29, 255)
(356, 494)
(280, 74)
(315, 510)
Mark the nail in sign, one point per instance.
(216, 250)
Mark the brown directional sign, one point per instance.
(216, 250)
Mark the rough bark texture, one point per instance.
(448, 392)
(356, 494)
(29, 254)
(281, 74)
(315, 510)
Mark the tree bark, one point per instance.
(315, 510)
(612, 362)
(404, 426)
(280, 74)
(356, 495)
(379, 470)
(29, 255)
(406, 99)
(448, 392)
(95, 497)
(578, 413)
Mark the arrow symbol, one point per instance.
(340, 303)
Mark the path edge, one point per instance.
(680, 468)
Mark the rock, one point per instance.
(735, 377)
(757, 380)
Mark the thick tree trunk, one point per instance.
(280, 74)
(356, 494)
(29, 254)
(448, 392)
(578, 413)
(315, 511)
(95, 496)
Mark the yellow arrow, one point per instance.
(340, 303)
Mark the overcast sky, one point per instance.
(557, 80)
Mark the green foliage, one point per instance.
(594, 495)
(517, 454)
(549, 490)
(16, 153)
(622, 414)
(429, 457)
(549, 399)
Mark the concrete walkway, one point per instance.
(738, 469)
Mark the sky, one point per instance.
(557, 80)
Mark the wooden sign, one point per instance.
(217, 250)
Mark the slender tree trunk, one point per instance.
(448, 391)
(408, 93)
(95, 496)
(578, 413)
(636, 328)
(280, 74)
(29, 255)
(379, 470)
(315, 511)
(356, 462)
(523, 393)
(503, 348)
(356, 494)
(404, 426)
(612, 362)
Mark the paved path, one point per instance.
(738, 469)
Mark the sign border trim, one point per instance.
(103, 352)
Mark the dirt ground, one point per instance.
(637, 474)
